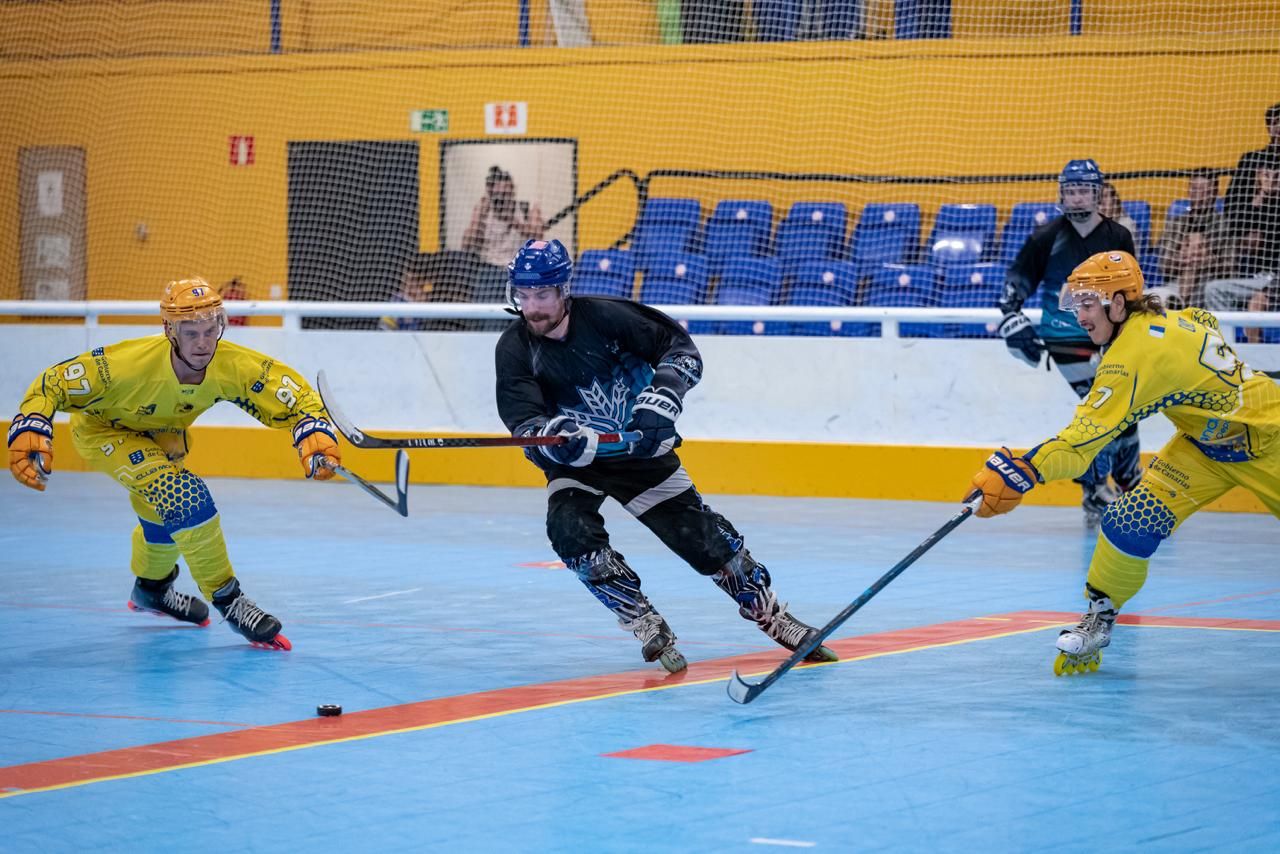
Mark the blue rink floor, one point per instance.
(486, 693)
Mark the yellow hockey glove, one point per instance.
(30, 436)
(315, 441)
(1003, 481)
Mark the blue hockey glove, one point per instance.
(578, 451)
(1021, 339)
(654, 417)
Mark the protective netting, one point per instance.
(818, 152)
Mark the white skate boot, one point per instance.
(1080, 648)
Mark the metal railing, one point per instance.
(292, 312)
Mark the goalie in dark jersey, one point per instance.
(1043, 264)
(590, 365)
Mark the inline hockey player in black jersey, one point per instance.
(589, 365)
(1044, 262)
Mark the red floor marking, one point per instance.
(121, 717)
(674, 753)
(222, 747)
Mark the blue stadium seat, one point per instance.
(1141, 213)
(840, 19)
(887, 233)
(907, 285)
(605, 272)
(738, 228)
(667, 225)
(1025, 218)
(675, 278)
(746, 281)
(812, 231)
(823, 283)
(963, 234)
(970, 286)
(776, 20)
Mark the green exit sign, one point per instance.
(429, 121)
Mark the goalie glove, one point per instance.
(1003, 481)
(1021, 339)
(316, 441)
(654, 418)
(578, 451)
(30, 436)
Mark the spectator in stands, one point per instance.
(1109, 205)
(1244, 183)
(1255, 244)
(1267, 299)
(1252, 211)
(500, 223)
(1195, 263)
(1203, 217)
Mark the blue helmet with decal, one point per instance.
(1080, 173)
(539, 264)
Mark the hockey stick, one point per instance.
(742, 691)
(400, 503)
(42, 473)
(361, 439)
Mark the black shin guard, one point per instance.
(747, 582)
(606, 574)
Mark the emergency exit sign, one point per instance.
(429, 121)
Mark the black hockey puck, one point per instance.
(328, 711)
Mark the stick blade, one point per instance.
(740, 690)
(345, 427)
(402, 483)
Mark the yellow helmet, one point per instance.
(190, 299)
(1102, 277)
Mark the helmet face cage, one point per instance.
(1102, 278)
(1080, 173)
(539, 264)
(191, 301)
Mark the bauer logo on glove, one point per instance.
(1003, 481)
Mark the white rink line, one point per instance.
(381, 596)
(789, 843)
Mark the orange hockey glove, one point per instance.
(30, 435)
(1003, 481)
(315, 441)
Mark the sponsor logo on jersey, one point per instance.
(257, 387)
(97, 351)
(1156, 331)
(136, 458)
(183, 408)
(147, 409)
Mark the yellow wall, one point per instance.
(741, 468)
(156, 129)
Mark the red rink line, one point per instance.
(294, 735)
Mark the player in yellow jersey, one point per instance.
(131, 404)
(1175, 362)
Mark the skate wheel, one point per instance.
(672, 660)
(279, 642)
(1060, 665)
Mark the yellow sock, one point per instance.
(1115, 573)
(152, 560)
(206, 552)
